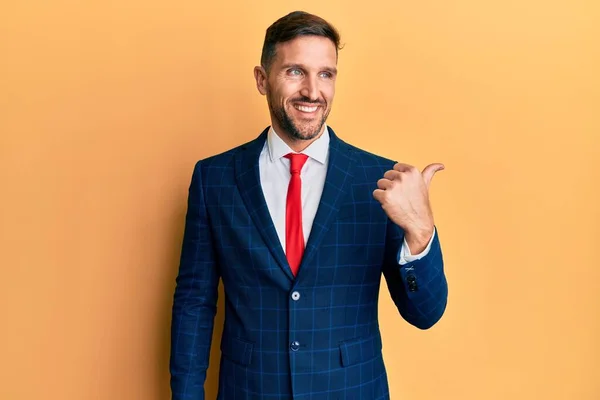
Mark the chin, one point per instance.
(308, 130)
(308, 133)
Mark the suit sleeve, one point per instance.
(195, 299)
(405, 256)
(418, 288)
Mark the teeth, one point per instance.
(306, 109)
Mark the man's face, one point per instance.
(300, 86)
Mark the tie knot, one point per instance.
(297, 161)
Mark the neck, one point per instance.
(296, 144)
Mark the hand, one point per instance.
(404, 196)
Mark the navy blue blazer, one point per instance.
(315, 336)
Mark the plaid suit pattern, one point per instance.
(315, 336)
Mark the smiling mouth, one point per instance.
(306, 109)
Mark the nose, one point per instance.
(310, 88)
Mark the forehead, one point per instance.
(308, 50)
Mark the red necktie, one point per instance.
(294, 236)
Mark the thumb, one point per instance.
(429, 171)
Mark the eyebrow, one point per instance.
(332, 70)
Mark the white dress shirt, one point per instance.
(275, 177)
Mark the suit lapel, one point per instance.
(337, 186)
(248, 180)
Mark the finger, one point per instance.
(393, 175)
(379, 194)
(384, 184)
(404, 167)
(429, 171)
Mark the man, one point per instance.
(300, 226)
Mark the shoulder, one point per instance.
(226, 159)
(367, 158)
(370, 162)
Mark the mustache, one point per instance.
(308, 101)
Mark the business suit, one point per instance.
(313, 336)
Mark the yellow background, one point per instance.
(106, 105)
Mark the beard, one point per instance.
(298, 130)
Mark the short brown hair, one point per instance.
(292, 25)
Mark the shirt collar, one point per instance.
(317, 150)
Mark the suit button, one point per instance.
(295, 346)
(296, 296)
(412, 283)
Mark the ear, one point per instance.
(261, 79)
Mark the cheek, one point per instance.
(329, 95)
(328, 90)
(286, 88)
(277, 97)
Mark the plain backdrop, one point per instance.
(105, 106)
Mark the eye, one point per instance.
(294, 72)
(326, 75)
